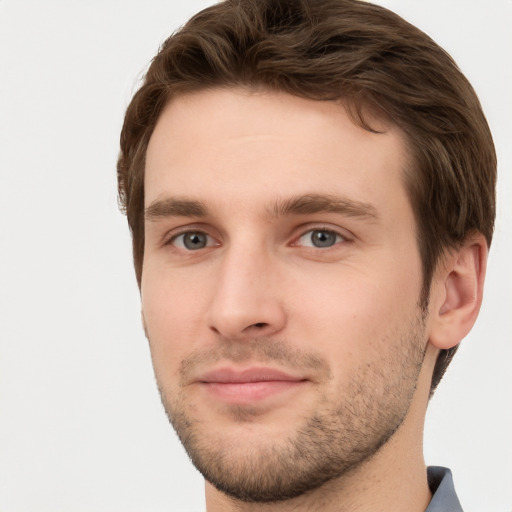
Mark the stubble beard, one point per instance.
(329, 444)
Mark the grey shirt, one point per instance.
(444, 498)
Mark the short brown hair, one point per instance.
(337, 50)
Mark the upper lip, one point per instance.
(254, 374)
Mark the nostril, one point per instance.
(260, 325)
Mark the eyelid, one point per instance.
(182, 247)
(171, 235)
(304, 230)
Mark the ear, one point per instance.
(456, 293)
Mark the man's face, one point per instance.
(280, 288)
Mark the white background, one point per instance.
(81, 425)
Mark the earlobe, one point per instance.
(457, 292)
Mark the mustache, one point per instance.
(259, 350)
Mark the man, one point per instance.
(310, 190)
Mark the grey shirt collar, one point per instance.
(444, 498)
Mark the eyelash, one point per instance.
(199, 232)
(340, 238)
(326, 231)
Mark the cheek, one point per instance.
(171, 312)
(350, 315)
(171, 300)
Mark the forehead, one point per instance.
(225, 142)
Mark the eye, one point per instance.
(192, 241)
(320, 238)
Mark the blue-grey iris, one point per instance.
(321, 238)
(194, 241)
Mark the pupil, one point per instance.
(323, 238)
(194, 240)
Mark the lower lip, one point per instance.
(250, 392)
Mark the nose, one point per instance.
(247, 301)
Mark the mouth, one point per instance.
(249, 385)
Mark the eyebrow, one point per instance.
(318, 203)
(175, 207)
(296, 205)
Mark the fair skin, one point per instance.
(280, 292)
